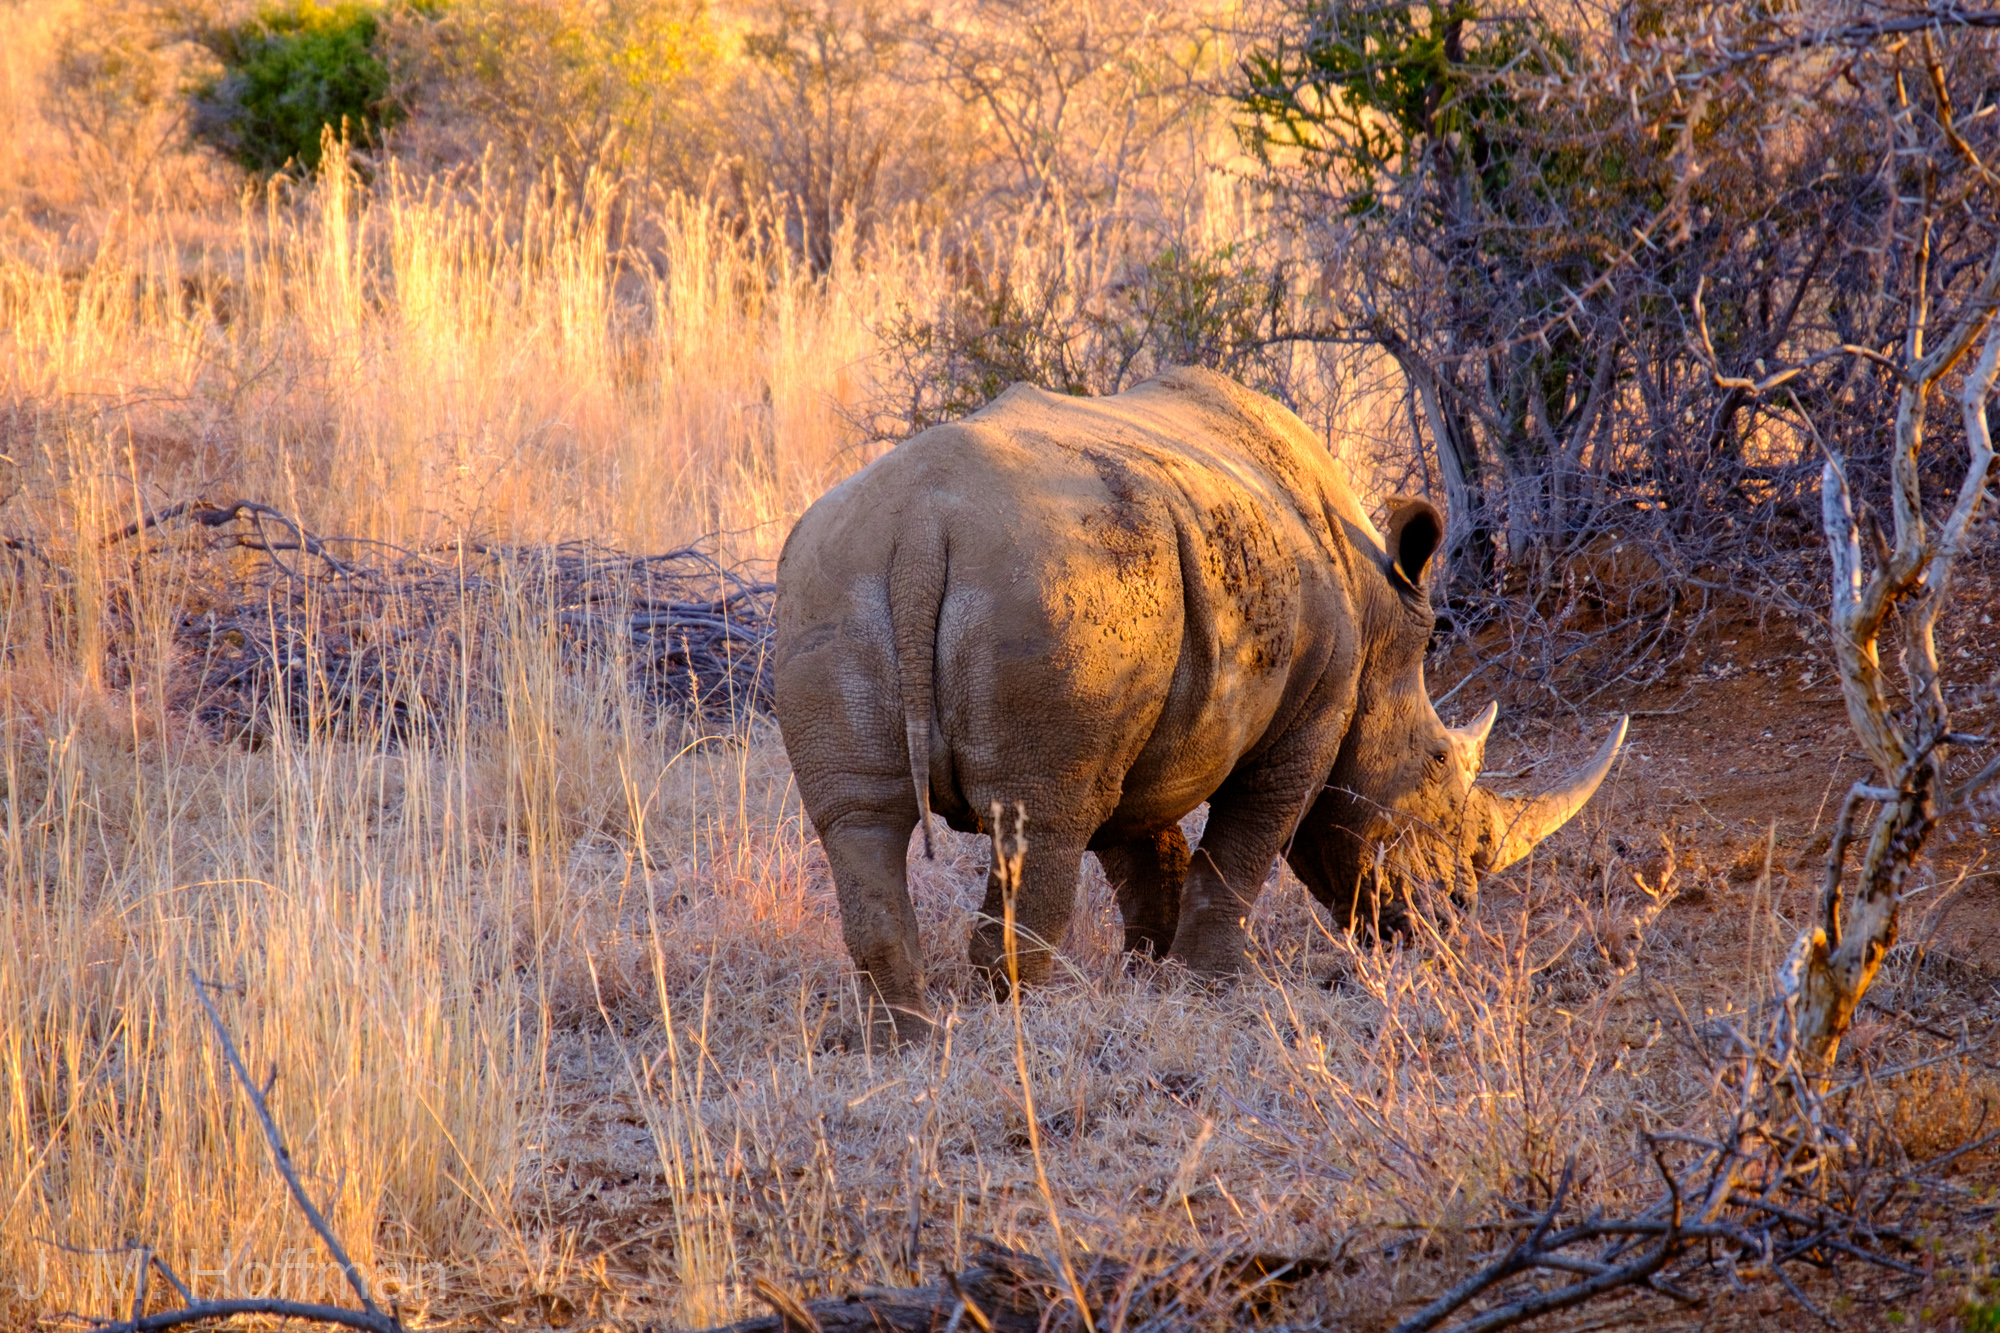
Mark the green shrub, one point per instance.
(287, 75)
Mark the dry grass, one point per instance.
(549, 999)
(405, 930)
(409, 366)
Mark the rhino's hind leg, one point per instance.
(868, 854)
(1147, 873)
(1042, 908)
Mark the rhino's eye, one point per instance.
(1438, 760)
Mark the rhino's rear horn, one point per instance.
(1470, 740)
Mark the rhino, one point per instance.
(1105, 611)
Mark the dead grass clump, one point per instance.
(1929, 1112)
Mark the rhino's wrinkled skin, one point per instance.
(1110, 610)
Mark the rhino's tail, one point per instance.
(916, 592)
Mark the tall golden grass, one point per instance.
(406, 365)
(401, 366)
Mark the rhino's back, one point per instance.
(1194, 431)
(1132, 579)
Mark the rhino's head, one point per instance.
(1402, 803)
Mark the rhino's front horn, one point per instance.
(1518, 824)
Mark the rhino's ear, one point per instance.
(1415, 529)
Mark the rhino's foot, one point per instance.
(913, 1027)
(880, 1031)
(1033, 966)
(1216, 954)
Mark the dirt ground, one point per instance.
(1747, 742)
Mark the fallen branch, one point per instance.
(196, 1311)
(1006, 1290)
(369, 638)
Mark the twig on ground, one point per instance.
(192, 1310)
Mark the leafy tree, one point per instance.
(287, 75)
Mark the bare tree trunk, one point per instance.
(1906, 733)
(1838, 959)
(1468, 529)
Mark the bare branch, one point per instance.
(1972, 786)
(281, 1157)
(192, 1311)
(1948, 15)
(215, 1312)
(1978, 389)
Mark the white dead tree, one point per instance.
(1898, 592)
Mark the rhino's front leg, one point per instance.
(1246, 830)
(1147, 873)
